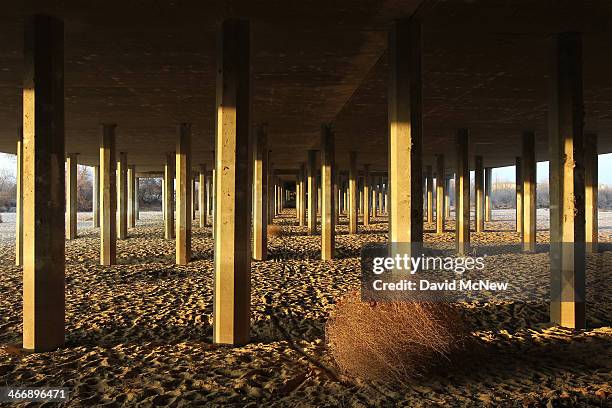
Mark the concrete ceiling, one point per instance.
(148, 65)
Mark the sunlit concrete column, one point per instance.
(366, 194)
(488, 190)
(380, 196)
(202, 207)
(96, 197)
(214, 200)
(336, 196)
(447, 202)
(591, 185)
(137, 197)
(462, 194)
(71, 196)
(360, 201)
(209, 191)
(319, 196)
(429, 190)
(168, 181)
(122, 221)
(193, 195)
(440, 193)
(303, 190)
(233, 199)
(43, 184)
(108, 196)
(260, 192)
(312, 192)
(328, 212)
(479, 192)
(184, 193)
(353, 193)
(19, 202)
(297, 199)
(529, 192)
(567, 188)
(131, 196)
(519, 194)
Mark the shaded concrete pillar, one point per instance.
(353, 193)
(19, 202)
(214, 200)
(43, 184)
(209, 192)
(131, 196)
(71, 196)
(447, 202)
(96, 197)
(429, 190)
(366, 194)
(529, 192)
(303, 191)
(108, 196)
(567, 186)
(184, 194)
(233, 186)
(440, 193)
(193, 195)
(319, 196)
(488, 190)
(328, 212)
(336, 196)
(312, 192)
(462, 194)
(360, 202)
(260, 194)
(519, 195)
(168, 181)
(122, 221)
(380, 196)
(202, 190)
(479, 192)
(591, 185)
(137, 197)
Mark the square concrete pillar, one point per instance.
(108, 196)
(96, 197)
(479, 193)
(380, 196)
(202, 189)
(353, 193)
(137, 197)
(405, 182)
(366, 194)
(43, 184)
(336, 196)
(519, 195)
(122, 203)
(462, 194)
(131, 196)
(328, 212)
(260, 194)
(312, 192)
(429, 194)
(529, 192)
(567, 186)
(209, 191)
(184, 200)
(440, 193)
(168, 181)
(447, 202)
(488, 190)
(232, 292)
(71, 196)
(303, 191)
(19, 201)
(590, 198)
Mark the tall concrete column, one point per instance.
(303, 190)
(122, 221)
(71, 196)
(328, 212)
(591, 185)
(202, 207)
(366, 194)
(137, 197)
(353, 193)
(214, 201)
(462, 194)
(169, 168)
(519, 195)
(488, 190)
(43, 184)
(479, 193)
(297, 199)
(567, 188)
(96, 197)
(429, 189)
(529, 192)
(405, 133)
(380, 196)
(131, 196)
(336, 197)
(440, 193)
(312, 192)
(108, 196)
(193, 195)
(260, 194)
(184, 193)
(447, 202)
(209, 191)
(233, 185)
(19, 202)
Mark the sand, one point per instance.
(139, 333)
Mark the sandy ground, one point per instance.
(139, 333)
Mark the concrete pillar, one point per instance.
(193, 195)
(319, 196)
(122, 206)
(360, 201)
(479, 192)
(260, 194)
(169, 168)
(71, 196)
(353, 194)
(328, 212)
(209, 192)
(137, 197)
(488, 190)
(96, 197)
(529, 192)
(440, 193)
(462, 194)
(297, 199)
(108, 196)
(567, 187)
(405, 133)
(380, 196)
(447, 202)
(366, 194)
(429, 190)
(303, 190)
(312, 192)
(336, 196)
(19, 202)
(233, 199)
(131, 196)
(202, 207)
(184, 194)
(519, 195)
(591, 185)
(214, 200)
(43, 184)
